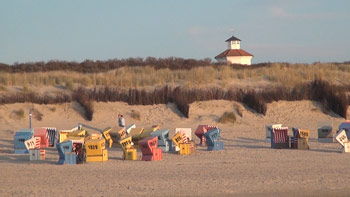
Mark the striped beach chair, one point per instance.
(53, 136)
(279, 138)
(268, 129)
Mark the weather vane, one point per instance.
(232, 30)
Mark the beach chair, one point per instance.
(129, 152)
(187, 148)
(146, 133)
(177, 139)
(300, 139)
(36, 154)
(93, 135)
(125, 143)
(343, 140)
(135, 133)
(19, 138)
(279, 138)
(63, 148)
(213, 140)
(95, 150)
(186, 136)
(121, 134)
(63, 134)
(43, 134)
(128, 128)
(341, 137)
(150, 150)
(77, 133)
(326, 134)
(107, 136)
(187, 132)
(268, 129)
(52, 135)
(346, 127)
(347, 147)
(32, 143)
(33, 146)
(164, 142)
(200, 134)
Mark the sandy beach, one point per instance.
(247, 166)
(88, 71)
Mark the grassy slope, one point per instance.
(289, 80)
(224, 76)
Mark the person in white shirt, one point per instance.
(121, 120)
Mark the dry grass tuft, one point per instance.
(25, 89)
(227, 117)
(135, 115)
(37, 114)
(69, 85)
(3, 88)
(18, 114)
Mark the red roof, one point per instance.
(233, 52)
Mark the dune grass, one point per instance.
(3, 88)
(19, 114)
(148, 85)
(289, 75)
(37, 115)
(135, 115)
(330, 96)
(227, 117)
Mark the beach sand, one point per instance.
(247, 166)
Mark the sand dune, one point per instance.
(247, 166)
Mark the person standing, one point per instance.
(121, 120)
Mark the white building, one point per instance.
(234, 54)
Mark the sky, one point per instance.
(295, 31)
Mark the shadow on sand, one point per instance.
(244, 142)
(6, 144)
(23, 159)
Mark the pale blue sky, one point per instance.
(75, 30)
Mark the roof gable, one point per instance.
(232, 39)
